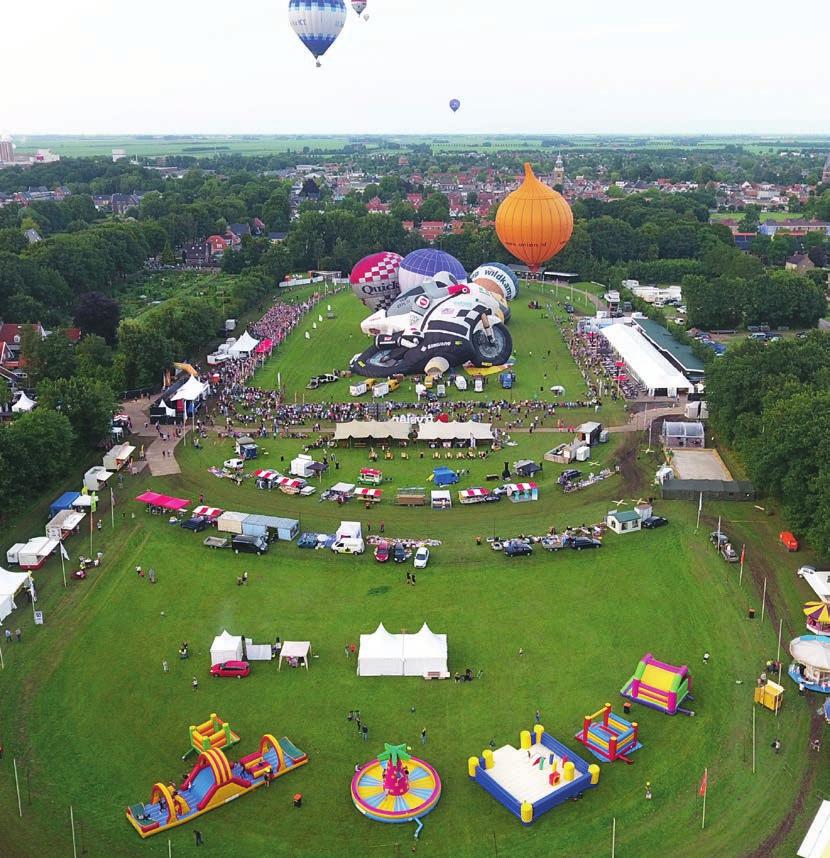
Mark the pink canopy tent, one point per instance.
(163, 501)
(264, 347)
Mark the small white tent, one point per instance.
(10, 584)
(381, 654)
(23, 404)
(225, 647)
(243, 347)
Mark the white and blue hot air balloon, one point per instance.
(422, 265)
(317, 23)
(496, 274)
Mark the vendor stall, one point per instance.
(266, 478)
(522, 492)
(368, 495)
(118, 457)
(296, 653)
(64, 524)
(36, 552)
(11, 583)
(441, 499)
(157, 503)
(474, 495)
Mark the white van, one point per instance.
(349, 545)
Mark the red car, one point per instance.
(382, 552)
(231, 668)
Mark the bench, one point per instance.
(436, 674)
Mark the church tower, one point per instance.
(558, 177)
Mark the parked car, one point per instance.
(349, 545)
(517, 548)
(718, 537)
(421, 557)
(196, 523)
(233, 464)
(580, 542)
(569, 308)
(245, 544)
(655, 521)
(382, 552)
(399, 553)
(231, 668)
(568, 476)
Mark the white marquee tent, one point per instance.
(225, 647)
(384, 654)
(652, 370)
(23, 404)
(191, 390)
(816, 843)
(243, 347)
(455, 430)
(10, 584)
(295, 649)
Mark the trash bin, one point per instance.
(298, 799)
(627, 707)
(752, 613)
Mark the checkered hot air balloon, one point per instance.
(317, 23)
(375, 279)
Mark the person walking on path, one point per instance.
(198, 837)
(424, 736)
(195, 684)
(165, 666)
(18, 635)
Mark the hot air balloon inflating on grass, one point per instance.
(534, 222)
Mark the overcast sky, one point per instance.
(225, 66)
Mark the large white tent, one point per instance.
(243, 347)
(642, 360)
(816, 843)
(384, 654)
(225, 647)
(23, 404)
(455, 430)
(191, 390)
(10, 584)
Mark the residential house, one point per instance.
(33, 236)
(239, 229)
(217, 245)
(376, 206)
(432, 230)
(120, 203)
(257, 227)
(416, 200)
(799, 262)
(277, 237)
(196, 255)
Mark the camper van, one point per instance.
(349, 545)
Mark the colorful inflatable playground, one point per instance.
(396, 787)
(214, 733)
(659, 686)
(612, 738)
(212, 782)
(534, 778)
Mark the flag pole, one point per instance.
(613, 835)
(17, 787)
(764, 600)
(705, 790)
(32, 594)
(2, 665)
(743, 553)
(72, 823)
(753, 740)
(699, 510)
(63, 566)
(112, 506)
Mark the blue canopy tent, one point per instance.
(65, 501)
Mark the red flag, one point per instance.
(704, 783)
(743, 553)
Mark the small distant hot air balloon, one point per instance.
(454, 104)
(375, 279)
(359, 6)
(316, 23)
(534, 222)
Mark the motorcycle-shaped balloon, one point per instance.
(434, 326)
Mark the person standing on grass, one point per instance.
(365, 732)
(165, 666)
(195, 684)
(424, 736)
(198, 837)
(538, 717)
(18, 635)
(648, 793)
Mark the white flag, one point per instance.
(700, 503)
(64, 552)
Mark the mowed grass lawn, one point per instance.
(541, 355)
(93, 721)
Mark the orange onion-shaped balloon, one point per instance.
(534, 222)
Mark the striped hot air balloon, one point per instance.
(317, 23)
(534, 222)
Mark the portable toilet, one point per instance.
(506, 380)
(478, 384)
(582, 454)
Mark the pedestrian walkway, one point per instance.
(159, 465)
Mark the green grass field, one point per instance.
(92, 721)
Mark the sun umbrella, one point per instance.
(818, 612)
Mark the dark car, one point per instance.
(244, 544)
(655, 521)
(580, 542)
(399, 553)
(231, 668)
(569, 308)
(197, 523)
(568, 476)
(517, 548)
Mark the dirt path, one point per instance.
(159, 455)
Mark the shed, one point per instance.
(588, 433)
(411, 496)
(739, 490)
(624, 521)
(681, 434)
(286, 529)
(440, 499)
(246, 447)
(231, 522)
(301, 466)
(96, 477)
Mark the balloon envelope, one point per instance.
(501, 275)
(317, 23)
(534, 222)
(375, 279)
(359, 6)
(454, 104)
(422, 265)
